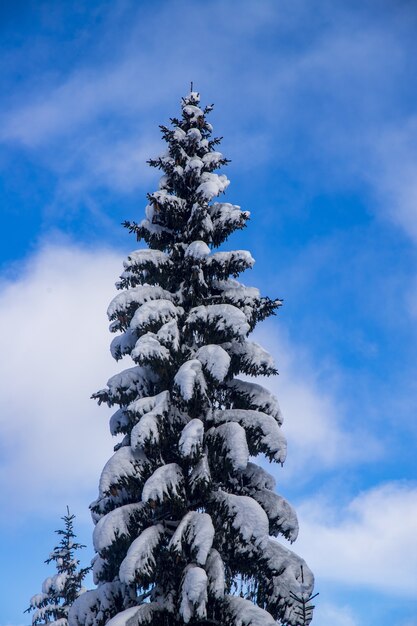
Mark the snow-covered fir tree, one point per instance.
(59, 591)
(185, 519)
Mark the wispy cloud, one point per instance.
(392, 173)
(320, 437)
(327, 614)
(368, 543)
(334, 92)
(54, 438)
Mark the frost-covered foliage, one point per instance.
(185, 521)
(59, 591)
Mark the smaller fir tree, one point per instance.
(51, 606)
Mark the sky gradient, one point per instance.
(318, 110)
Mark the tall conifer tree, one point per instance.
(51, 606)
(185, 521)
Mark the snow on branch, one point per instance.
(262, 431)
(190, 380)
(281, 515)
(139, 563)
(246, 516)
(223, 322)
(128, 299)
(147, 431)
(149, 351)
(194, 535)
(245, 613)
(200, 477)
(225, 264)
(194, 593)
(153, 314)
(251, 359)
(143, 266)
(258, 478)
(197, 250)
(117, 524)
(136, 615)
(158, 403)
(226, 218)
(248, 395)
(123, 344)
(126, 386)
(288, 576)
(167, 482)
(191, 439)
(215, 361)
(228, 446)
(125, 464)
(215, 574)
(96, 607)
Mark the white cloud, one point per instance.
(54, 342)
(121, 166)
(371, 542)
(52, 113)
(319, 436)
(392, 173)
(139, 72)
(331, 615)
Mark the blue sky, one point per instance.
(318, 109)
